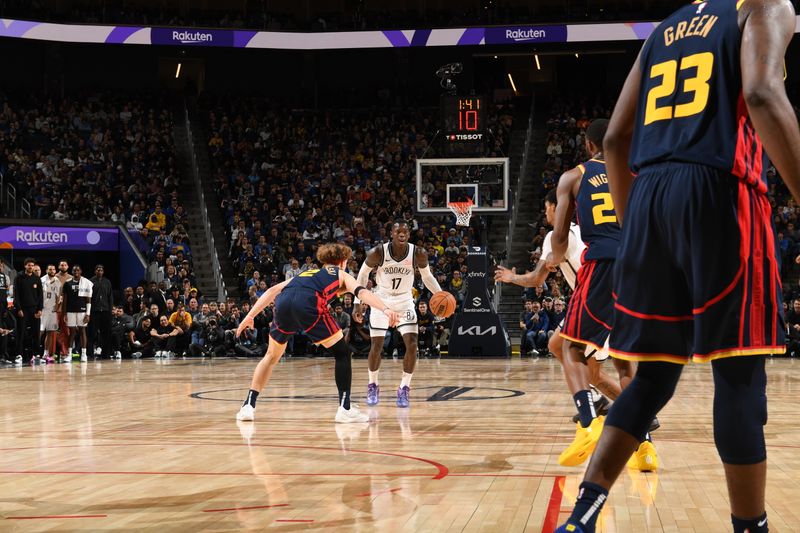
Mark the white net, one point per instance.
(462, 211)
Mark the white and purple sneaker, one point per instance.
(402, 396)
(373, 394)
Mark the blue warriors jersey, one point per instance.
(324, 281)
(691, 108)
(596, 216)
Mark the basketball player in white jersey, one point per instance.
(395, 262)
(644, 458)
(51, 287)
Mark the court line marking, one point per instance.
(554, 505)
(301, 521)
(245, 508)
(442, 470)
(56, 516)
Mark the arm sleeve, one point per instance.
(429, 280)
(362, 278)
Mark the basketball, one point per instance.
(443, 304)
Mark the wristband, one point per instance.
(88, 309)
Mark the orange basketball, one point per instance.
(443, 304)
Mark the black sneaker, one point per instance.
(654, 425)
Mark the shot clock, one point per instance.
(463, 120)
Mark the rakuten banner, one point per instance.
(526, 34)
(61, 238)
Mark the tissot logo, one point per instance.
(526, 34)
(477, 331)
(466, 136)
(192, 37)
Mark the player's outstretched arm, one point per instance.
(373, 259)
(267, 298)
(565, 209)
(617, 142)
(350, 284)
(421, 259)
(529, 279)
(768, 28)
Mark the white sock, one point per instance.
(406, 380)
(83, 351)
(373, 376)
(46, 354)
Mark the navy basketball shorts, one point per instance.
(302, 311)
(591, 310)
(696, 276)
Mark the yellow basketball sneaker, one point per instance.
(645, 459)
(584, 443)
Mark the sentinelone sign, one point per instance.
(521, 34)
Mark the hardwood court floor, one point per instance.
(153, 446)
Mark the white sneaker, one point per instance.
(247, 413)
(343, 416)
(157, 355)
(117, 355)
(18, 361)
(98, 350)
(84, 359)
(136, 355)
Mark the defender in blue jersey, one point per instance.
(301, 305)
(696, 275)
(584, 191)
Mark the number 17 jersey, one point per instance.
(691, 108)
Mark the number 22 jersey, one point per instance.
(691, 108)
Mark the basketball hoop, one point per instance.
(462, 211)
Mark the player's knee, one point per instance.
(650, 390)
(740, 410)
(340, 351)
(554, 345)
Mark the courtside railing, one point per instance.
(516, 195)
(222, 294)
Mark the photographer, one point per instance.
(212, 340)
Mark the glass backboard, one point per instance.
(484, 181)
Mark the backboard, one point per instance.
(482, 180)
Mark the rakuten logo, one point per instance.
(189, 37)
(34, 237)
(529, 34)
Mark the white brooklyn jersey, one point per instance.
(572, 259)
(51, 290)
(395, 275)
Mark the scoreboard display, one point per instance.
(463, 124)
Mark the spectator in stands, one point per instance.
(121, 326)
(293, 270)
(427, 326)
(7, 327)
(537, 326)
(164, 337)
(358, 335)
(182, 320)
(793, 325)
(524, 317)
(142, 339)
(341, 318)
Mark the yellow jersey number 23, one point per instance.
(703, 64)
